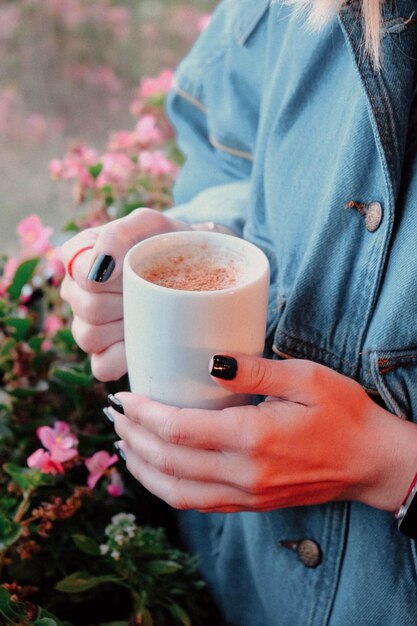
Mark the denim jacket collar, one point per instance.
(390, 91)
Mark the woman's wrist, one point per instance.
(392, 461)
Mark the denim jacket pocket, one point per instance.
(395, 376)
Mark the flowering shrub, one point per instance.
(80, 541)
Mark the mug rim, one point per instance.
(256, 252)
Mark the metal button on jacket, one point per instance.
(373, 216)
(307, 550)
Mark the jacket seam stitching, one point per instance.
(234, 151)
(187, 96)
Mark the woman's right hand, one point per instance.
(94, 288)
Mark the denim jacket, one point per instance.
(293, 139)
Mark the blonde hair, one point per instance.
(320, 11)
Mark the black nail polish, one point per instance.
(115, 403)
(102, 268)
(108, 416)
(120, 453)
(224, 367)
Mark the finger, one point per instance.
(293, 379)
(178, 461)
(228, 429)
(110, 364)
(95, 309)
(114, 241)
(96, 338)
(181, 493)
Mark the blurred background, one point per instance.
(69, 70)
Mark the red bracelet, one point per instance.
(72, 259)
(412, 485)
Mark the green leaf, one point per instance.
(95, 169)
(46, 621)
(70, 376)
(70, 227)
(36, 342)
(7, 346)
(9, 532)
(159, 567)
(27, 478)
(179, 614)
(22, 276)
(65, 337)
(7, 610)
(20, 324)
(86, 544)
(83, 581)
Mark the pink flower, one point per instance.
(116, 487)
(156, 163)
(43, 461)
(123, 141)
(59, 441)
(54, 267)
(34, 238)
(161, 84)
(117, 168)
(97, 466)
(52, 324)
(203, 22)
(147, 131)
(56, 167)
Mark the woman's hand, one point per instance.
(93, 287)
(317, 437)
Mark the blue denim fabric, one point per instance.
(291, 138)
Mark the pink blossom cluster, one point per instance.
(60, 447)
(130, 155)
(34, 239)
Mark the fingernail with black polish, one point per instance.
(102, 268)
(120, 453)
(224, 367)
(109, 417)
(115, 403)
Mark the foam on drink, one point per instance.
(197, 267)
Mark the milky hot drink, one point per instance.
(194, 268)
(213, 300)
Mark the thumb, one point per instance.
(243, 373)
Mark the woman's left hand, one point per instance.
(317, 437)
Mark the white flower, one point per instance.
(115, 554)
(104, 548)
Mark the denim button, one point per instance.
(373, 216)
(307, 550)
(309, 553)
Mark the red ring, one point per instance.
(71, 261)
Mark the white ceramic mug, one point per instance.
(171, 334)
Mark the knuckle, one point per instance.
(172, 431)
(92, 311)
(262, 375)
(163, 463)
(84, 335)
(313, 373)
